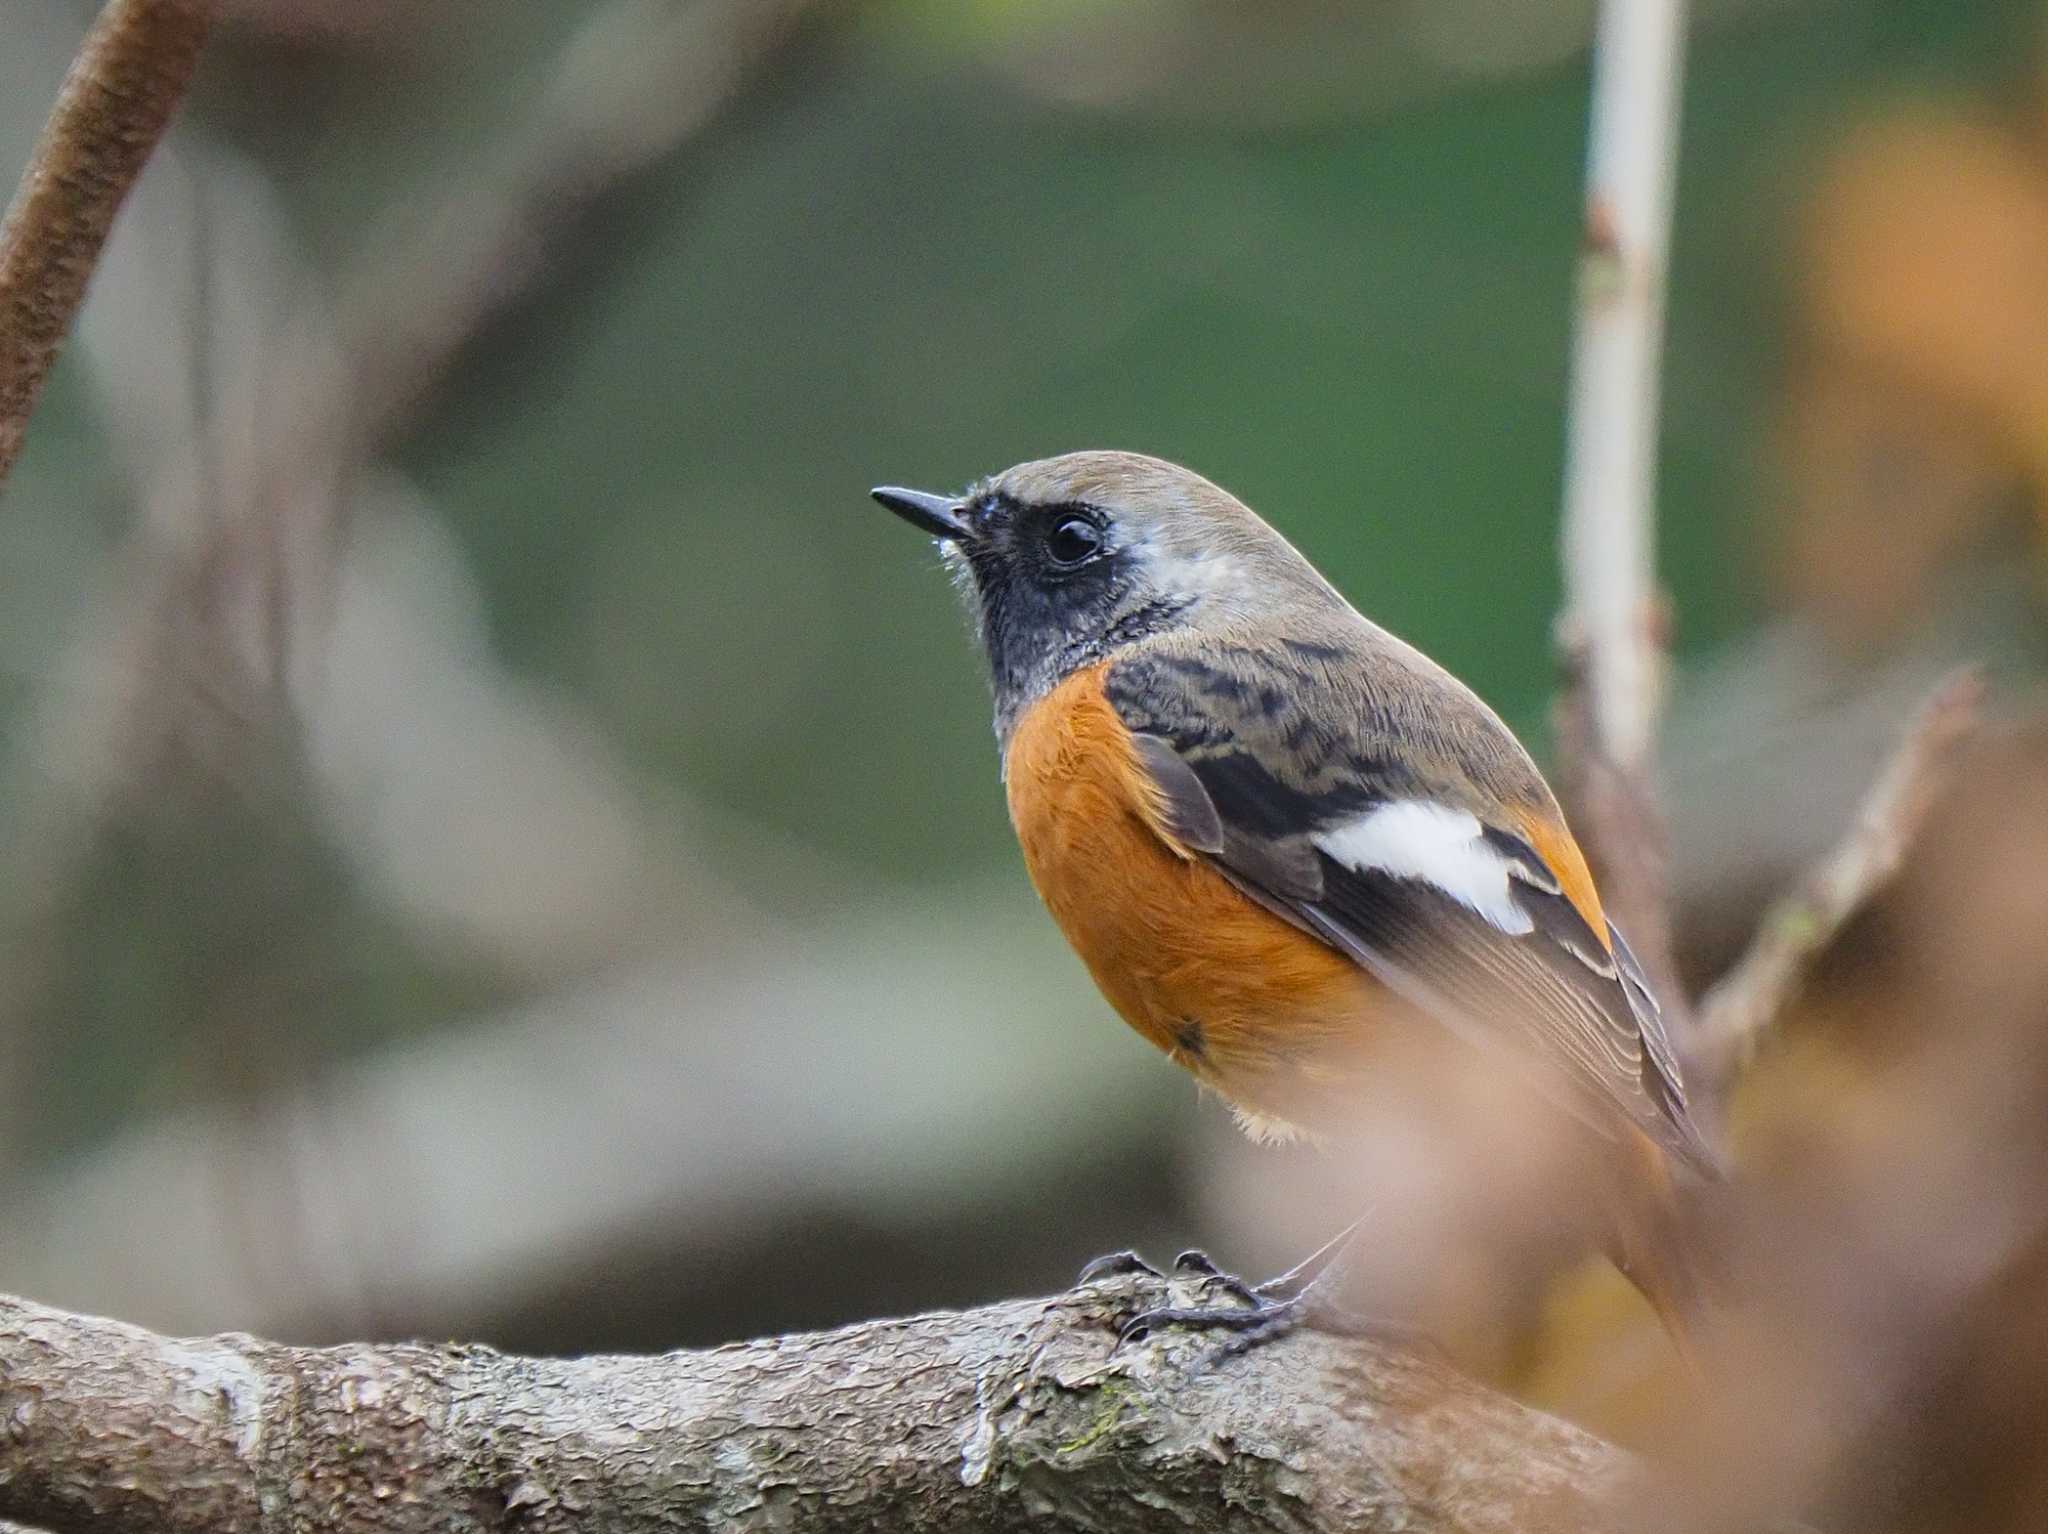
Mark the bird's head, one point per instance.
(1066, 561)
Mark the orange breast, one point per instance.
(1248, 1002)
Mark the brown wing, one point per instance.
(1528, 971)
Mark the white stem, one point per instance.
(1610, 462)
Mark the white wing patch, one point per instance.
(1418, 839)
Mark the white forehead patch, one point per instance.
(1420, 839)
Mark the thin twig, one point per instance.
(116, 102)
(1610, 469)
(1613, 629)
(1736, 1013)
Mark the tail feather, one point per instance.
(1664, 1244)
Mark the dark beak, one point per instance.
(938, 515)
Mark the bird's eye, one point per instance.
(1073, 541)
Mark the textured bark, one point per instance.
(1024, 1415)
(118, 99)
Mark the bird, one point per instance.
(1286, 844)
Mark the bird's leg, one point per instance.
(1197, 1262)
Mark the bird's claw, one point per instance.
(1195, 1260)
(1196, 1263)
(1115, 1265)
(1191, 1263)
(1243, 1309)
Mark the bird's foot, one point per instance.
(1255, 1314)
(1249, 1325)
(1306, 1295)
(1253, 1326)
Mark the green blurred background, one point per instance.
(688, 702)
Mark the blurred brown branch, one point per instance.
(1023, 1415)
(116, 102)
(248, 500)
(212, 664)
(1624, 833)
(1800, 926)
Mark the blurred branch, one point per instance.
(1613, 628)
(127, 80)
(638, 80)
(1024, 1415)
(247, 495)
(456, 1176)
(215, 644)
(1800, 926)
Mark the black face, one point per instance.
(1054, 586)
(1048, 582)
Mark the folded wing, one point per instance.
(1465, 919)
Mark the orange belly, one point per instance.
(1273, 1019)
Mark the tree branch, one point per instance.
(1610, 468)
(1734, 1015)
(1613, 630)
(116, 102)
(1024, 1415)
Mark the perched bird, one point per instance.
(1284, 842)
